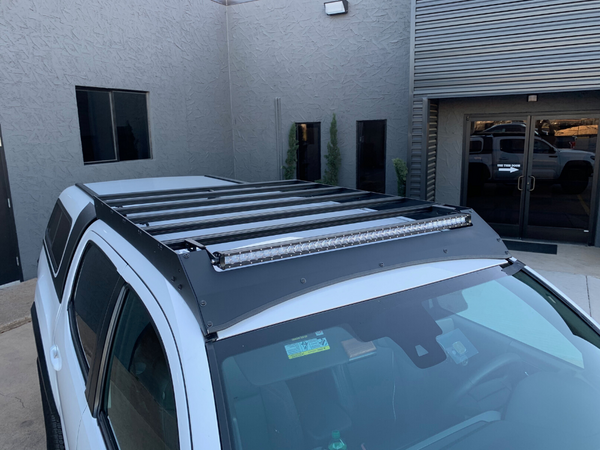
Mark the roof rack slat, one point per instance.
(212, 194)
(248, 207)
(263, 217)
(132, 195)
(239, 198)
(232, 236)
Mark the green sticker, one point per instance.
(307, 346)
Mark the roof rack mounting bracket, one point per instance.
(194, 246)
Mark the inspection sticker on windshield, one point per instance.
(307, 345)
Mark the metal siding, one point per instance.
(416, 150)
(468, 48)
(431, 135)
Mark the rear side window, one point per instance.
(139, 401)
(95, 287)
(57, 234)
(512, 145)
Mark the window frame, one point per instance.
(86, 367)
(113, 115)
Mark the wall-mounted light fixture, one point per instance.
(336, 7)
(532, 98)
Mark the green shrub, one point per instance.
(333, 156)
(289, 170)
(401, 172)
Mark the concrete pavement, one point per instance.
(21, 417)
(575, 270)
(15, 302)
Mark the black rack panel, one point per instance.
(227, 296)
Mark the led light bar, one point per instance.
(259, 254)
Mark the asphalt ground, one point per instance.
(575, 270)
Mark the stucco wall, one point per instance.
(355, 65)
(175, 50)
(452, 121)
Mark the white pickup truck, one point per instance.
(499, 158)
(196, 312)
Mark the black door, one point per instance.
(10, 269)
(370, 155)
(309, 151)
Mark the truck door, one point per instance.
(508, 158)
(91, 287)
(545, 161)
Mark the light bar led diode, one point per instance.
(262, 253)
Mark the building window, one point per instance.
(113, 125)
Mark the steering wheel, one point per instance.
(496, 364)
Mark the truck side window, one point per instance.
(512, 145)
(94, 288)
(57, 234)
(540, 146)
(139, 401)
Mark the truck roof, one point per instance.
(239, 248)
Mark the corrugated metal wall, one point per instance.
(466, 48)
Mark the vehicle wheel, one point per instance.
(574, 180)
(54, 434)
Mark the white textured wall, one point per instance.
(175, 49)
(355, 65)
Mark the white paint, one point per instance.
(358, 290)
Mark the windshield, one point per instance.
(484, 360)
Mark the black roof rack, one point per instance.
(227, 295)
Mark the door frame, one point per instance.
(530, 118)
(12, 229)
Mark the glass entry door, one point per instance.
(533, 177)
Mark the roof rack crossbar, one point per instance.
(240, 198)
(147, 218)
(232, 236)
(228, 187)
(213, 194)
(266, 216)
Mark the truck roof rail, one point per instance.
(294, 223)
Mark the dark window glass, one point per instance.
(309, 151)
(139, 400)
(95, 286)
(512, 145)
(131, 116)
(95, 123)
(540, 146)
(476, 146)
(105, 115)
(57, 233)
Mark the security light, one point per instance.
(336, 7)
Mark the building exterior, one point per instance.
(101, 90)
(475, 65)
